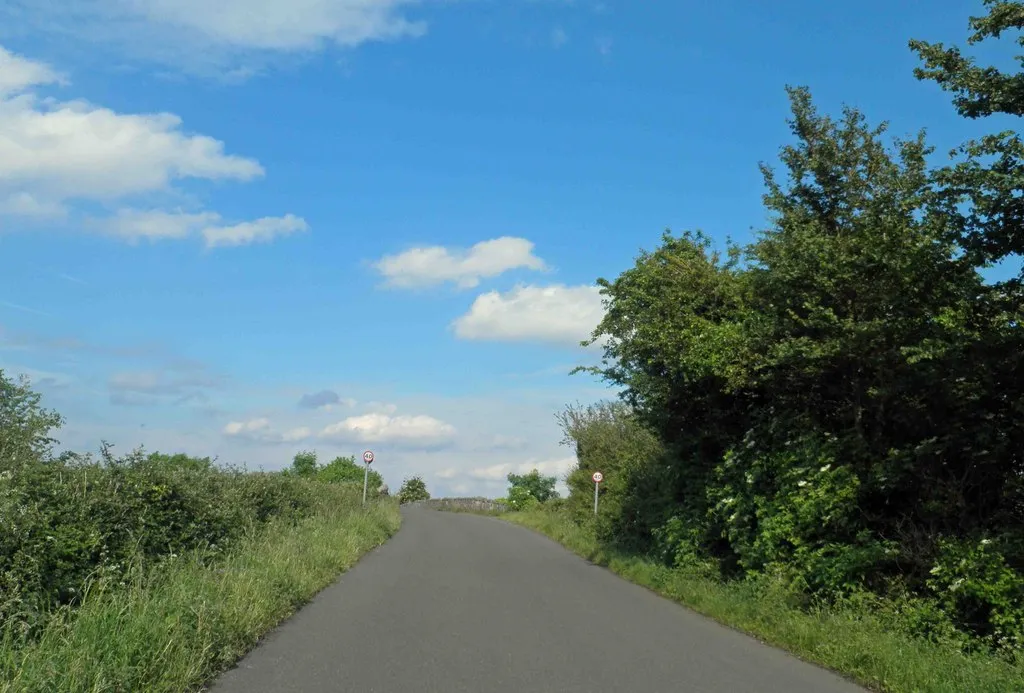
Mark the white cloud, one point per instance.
(259, 231)
(432, 265)
(54, 154)
(259, 430)
(282, 24)
(155, 224)
(237, 428)
(558, 314)
(18, 73)
(382, 428)
(559, 37)
(73, 149)
(198, 34)
(557, 468)
(447, 473)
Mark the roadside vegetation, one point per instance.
(155, 572)
(820, 436)
(413, 489)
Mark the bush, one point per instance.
(72, 520)
(413, 489)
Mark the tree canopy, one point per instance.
(839, 403)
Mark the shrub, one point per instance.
(413, 489)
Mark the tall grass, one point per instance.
(857, 642)
(174, 626)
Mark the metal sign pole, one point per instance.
(595, 496)
(367, 458)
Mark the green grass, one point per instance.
(175, 628)
(848, 641)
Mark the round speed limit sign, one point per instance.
(367, 457)
(598, 477)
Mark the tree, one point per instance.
(413, 489)
(345, 470)
(24, 425)
(636, 494)
(985, 190)
(540, 487)
(304, 463)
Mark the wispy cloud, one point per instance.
(24, 309)
(73, 279)
(214, 38)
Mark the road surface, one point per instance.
(458, 602)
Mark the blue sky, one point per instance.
(209, 212)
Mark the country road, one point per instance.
(458, 602)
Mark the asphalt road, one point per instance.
(458, 602)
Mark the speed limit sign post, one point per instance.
(367, 458)
(598, 477)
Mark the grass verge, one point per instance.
(175, 628)
(850, 642)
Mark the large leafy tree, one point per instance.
(983, 196)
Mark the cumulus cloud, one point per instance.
(556, 314)
(18, 73)
(259, 430)
(433, 265)
(197, 34)
(420, 430)
(57, 154)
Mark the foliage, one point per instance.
(413, 489)
(345, 470)
(71, 521)
(877, 643)
(24, 425)
(304, 463)
(171, 627)
(520, 498)
(990, 176)
(532, 484)
(340, 470)
(608, 438)
(837, 406)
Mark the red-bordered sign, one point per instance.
(598, 477)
